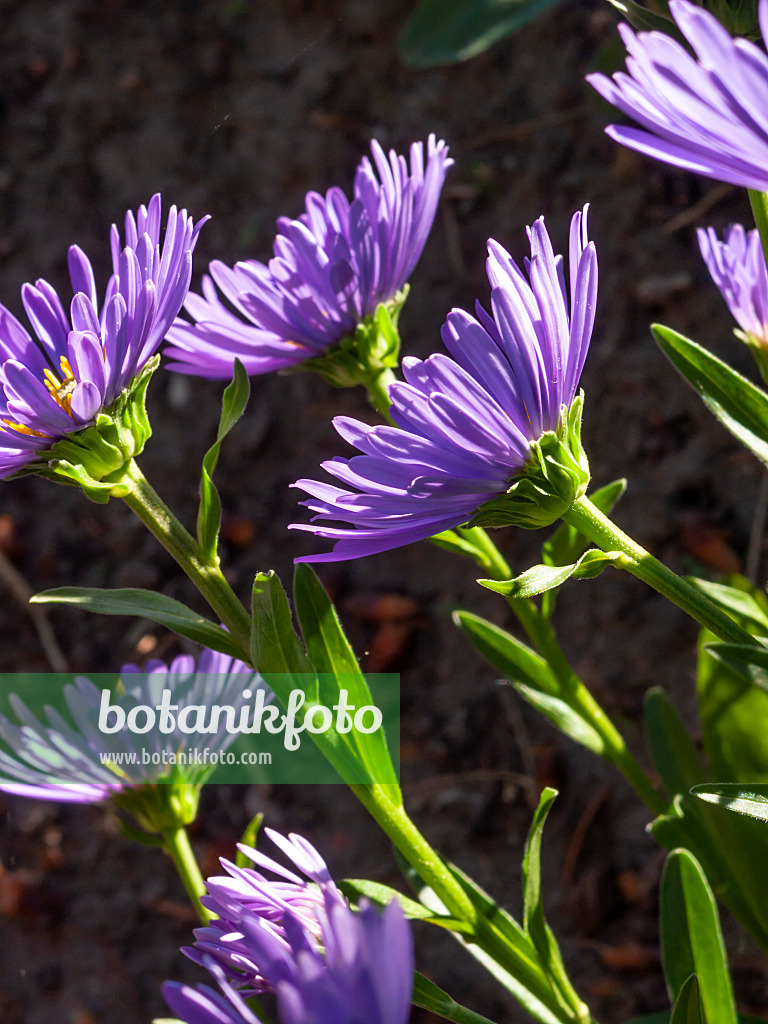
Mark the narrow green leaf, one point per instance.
(248, 838)
(533, 910)
(751, 800)
(148, 605)
(567, 544)
(445, 31)
(671, 746)
(427, 995)
(739, 599)
(540, 578)
(688, 1004)
(642, 19)
(333, 657)
(740, 406)
(356, 889)
(563, 717)
(233, 406)
(514, 659)
(530, 675)
(698, 947)
(751, 663)
(275, 645)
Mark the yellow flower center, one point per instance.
(61, 390)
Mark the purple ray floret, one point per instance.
(466, 422)
(55, 381)
(301, 941)
(708, 115)
(737, 266)
(332, 267)
(80, 763)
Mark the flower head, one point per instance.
(737, 266)
(468, 423)
(56, 381)
(301, 941)
(332, 267)
(82, 763)
(708, 115)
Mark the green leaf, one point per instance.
(356, 889)
(149, 605)
(248, 838)
(427, 995)
(738, 598)
(740, 406)
(209, 513)
(533, 910)
(566, 544)
(731, 681)
(688, 1004)
(540, 578)
(333, 657)
(698, 947)
(751, 800)
(564, 718)
(671, 746)
(515, 660)
(751, 663)
(642, 19)
(531, 677)
(275, 645)
(446, 31)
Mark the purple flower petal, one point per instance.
(710, 115)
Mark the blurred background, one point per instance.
(236, 109)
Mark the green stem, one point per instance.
(430, 867)
(378, 393)
(578, 696)
(182, 546)
(759, 203)
(176, 844)
(542, 636)
(590, 521)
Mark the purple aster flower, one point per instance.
(80, 763)
(332, 267)
(56, 382)
(301, 941)
(737, 266)
(467, 423)
(708, 115)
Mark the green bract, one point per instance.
(556, 474)
(95, 459)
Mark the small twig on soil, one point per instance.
(580, 834)
(22, 592)
(692, 214)
(757, 532)
(523, 129)
(424, 787)
(522, 739)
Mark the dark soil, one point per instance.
(237, 109)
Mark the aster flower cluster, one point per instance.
(332, 267)
(466, 423)
(81, 763)
(78, 364)
(301, 941)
